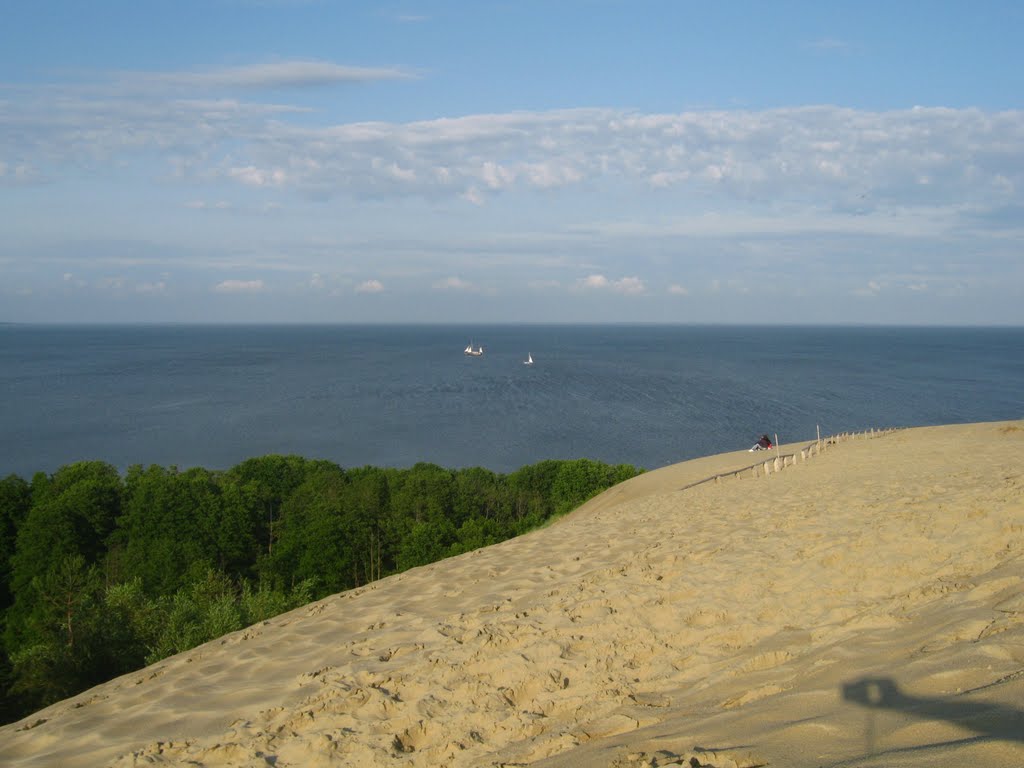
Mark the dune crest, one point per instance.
(862, 607)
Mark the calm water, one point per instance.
(394, 395)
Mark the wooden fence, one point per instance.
(779, 461)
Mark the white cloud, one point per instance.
(630, 286)
(844, 160)
(258, 177)
(239, 286)
(454, 284)
(370, 286)
(873, 288)
(495, 176)
(151, 289)
(279, 74)
(499, 199)
(401, 174)
(551, 174)
(593, 281)
(848, 158)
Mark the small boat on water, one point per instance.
(528, 360)
(475, 352)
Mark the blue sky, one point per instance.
(559, 161)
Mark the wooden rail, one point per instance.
(779, 461)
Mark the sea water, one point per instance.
(396, 395)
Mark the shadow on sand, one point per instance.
(995, 721)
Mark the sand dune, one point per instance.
(862, 608)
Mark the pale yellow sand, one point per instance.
(862, 608)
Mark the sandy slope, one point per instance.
(861, 608)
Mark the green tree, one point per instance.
(266, 482)
(311, 541)
(475, 533)
(235, 538)
(478, 493)
(72, 515)
(577, 481)
(421, 493)
(426, 541)
(262, 603)
(180, 550)
(166, 530)
(531, 496)
(131, 624)
(15, 502)
(420, 515)
(198, 612)
(64, 653)
(366, 506)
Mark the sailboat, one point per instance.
(469, 350)
(528, 360)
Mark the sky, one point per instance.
(508, 161)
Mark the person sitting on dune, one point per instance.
(763, 444)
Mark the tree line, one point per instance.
(103, 573)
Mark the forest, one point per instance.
(102, 573)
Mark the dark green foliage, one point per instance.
(421, 493)
(176, 521)
(196, 613)
(133, 624)
(474, 533)
(15, 500)
(71, 515)
(62, 650)
(312, 542)
(266, 482)
(208, 607)
(102, 575)
(161, 533)
(478, 494)
(582, 479)
(532, 498)
(369, 525)
(261, 603)
(426, 541)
